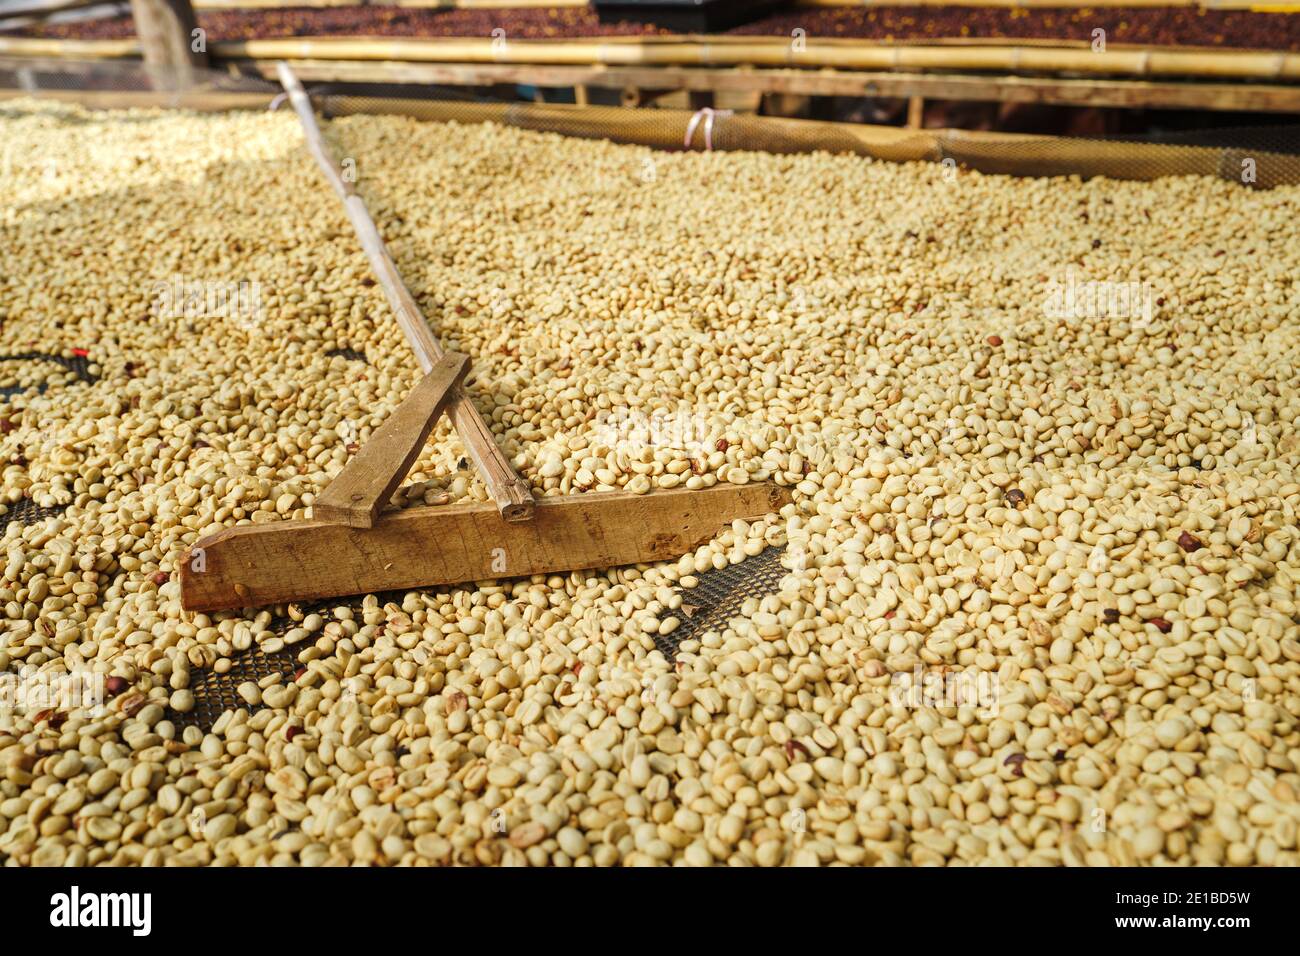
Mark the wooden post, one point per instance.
(166, 31)
(915, 112)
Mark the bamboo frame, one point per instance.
(1105, 92)
(1012, 59)
(1143, 62)
(69, 49)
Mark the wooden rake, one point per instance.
(349, 548)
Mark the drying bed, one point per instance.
(1146, 26)
(1040, 569)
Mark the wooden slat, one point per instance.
(199, 101)
(255, 565)
(508, 490)
(1100, 91)
(68, 49)
(361, 490)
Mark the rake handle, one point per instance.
(510, 492)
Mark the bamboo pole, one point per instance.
(205, 101)
(761, 52)
(69, 49)
(508, 490)
(778, 52)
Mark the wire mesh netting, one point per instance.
(720, 596)
(216, 692)
(76, 364)
(352, 355)
(26, 511)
